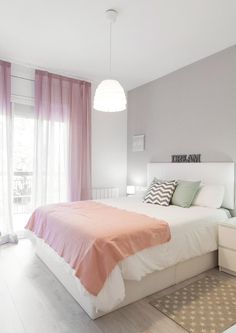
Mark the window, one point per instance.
(23, 154)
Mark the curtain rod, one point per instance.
(54, 71)
(23, 78)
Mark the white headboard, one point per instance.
(208, 173)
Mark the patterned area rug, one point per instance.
(205, 306)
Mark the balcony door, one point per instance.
(23, 154)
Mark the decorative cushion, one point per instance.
(209, 196)
(185, 193)
(160, 193)
(154, 181)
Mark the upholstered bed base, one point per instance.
(135, 290)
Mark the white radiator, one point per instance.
(105, 192)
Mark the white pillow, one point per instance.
(209, 196)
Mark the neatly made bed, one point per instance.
(191, 250)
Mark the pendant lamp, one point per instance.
(110, 95)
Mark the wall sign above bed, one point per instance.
(191, 158)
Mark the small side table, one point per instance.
(227, 246)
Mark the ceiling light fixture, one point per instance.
(110, 95)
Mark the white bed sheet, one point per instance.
(193, 233)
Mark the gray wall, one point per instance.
(192, 110)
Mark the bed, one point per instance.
(191, 250)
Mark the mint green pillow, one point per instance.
(185, 193)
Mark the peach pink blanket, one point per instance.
(93, 237)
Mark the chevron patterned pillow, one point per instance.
(160, 193)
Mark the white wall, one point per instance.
(109, 149)
(109, 134)
(192, 110)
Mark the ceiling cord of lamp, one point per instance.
(110, 95)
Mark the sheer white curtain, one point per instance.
(50, 167)
(51, 146)
(6, 132)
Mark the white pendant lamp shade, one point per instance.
(109, 97)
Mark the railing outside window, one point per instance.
(22, 192)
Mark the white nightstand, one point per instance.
(227, 246)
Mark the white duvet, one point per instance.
(193, 233)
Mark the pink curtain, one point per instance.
(80, 141)
(63, 136)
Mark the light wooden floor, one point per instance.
(32, 300)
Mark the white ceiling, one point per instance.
(151, 37)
